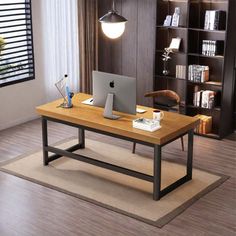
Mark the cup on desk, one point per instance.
(158, 115)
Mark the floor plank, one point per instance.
(30, 209)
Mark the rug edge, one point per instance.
(170, 216)
(158, 223)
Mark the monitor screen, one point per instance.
(122, 87)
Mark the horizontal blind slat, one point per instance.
(15, 70)
(18, 61)
(7, 77)
(15, 9)
(20, 46)
(13, 4)
(14, 31)
(12, 20)
(18, 36)
(16, 66)
(25, 55)
(12, 26)
(10, 53)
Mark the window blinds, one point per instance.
(17, 55)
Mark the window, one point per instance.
(16, 42)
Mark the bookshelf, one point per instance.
(192, 31)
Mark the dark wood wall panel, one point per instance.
(146, 48)
(104, 44)
(129, 39)
(133, 53)
(116, 46)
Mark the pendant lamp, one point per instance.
(113, 24)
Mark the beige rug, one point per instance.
(120, 193)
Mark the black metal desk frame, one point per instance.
(155, 179)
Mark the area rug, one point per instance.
(117, 192)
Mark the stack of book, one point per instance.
(180, 71)
(204, 98)
(146, 124)
(215, 20)
(198, 73)
(205, 125)
(212, 47)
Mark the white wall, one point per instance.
(18, 102)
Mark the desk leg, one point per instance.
(157, 173)
(45, 140)
(190, 154)
(82, 138)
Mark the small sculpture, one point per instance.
(166, 58)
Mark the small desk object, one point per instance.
(91, 118)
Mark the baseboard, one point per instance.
(17, 122)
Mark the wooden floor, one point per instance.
(30, 209)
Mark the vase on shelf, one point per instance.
(165, 68)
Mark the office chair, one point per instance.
(167, 100)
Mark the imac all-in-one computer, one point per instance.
(114, 92)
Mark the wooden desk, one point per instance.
(85, 117)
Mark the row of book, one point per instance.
(204, 98)
(205, 125)
(198, 73)
(212, 47)
(180, 71)
(215, 20)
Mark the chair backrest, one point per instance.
(164, 93)
(169, 94)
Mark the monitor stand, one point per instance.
(109, 107)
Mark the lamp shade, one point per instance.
(113, 24)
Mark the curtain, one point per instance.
(88, 42)
(60, 44)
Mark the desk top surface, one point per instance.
(173, 124)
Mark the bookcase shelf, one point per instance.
(201, 55)
(210, 83)
(203, 108)
(162, 51)
(169, 77)
(172, 27)
(210, 31)
(221, 67)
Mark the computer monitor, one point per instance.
(114, 92)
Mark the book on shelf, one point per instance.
(175, 17)
(212, 47)
(204, 99)
(198, 73)
(215, 20)
(146, 124)
(167, 21)
(205, 125)
(180, 71)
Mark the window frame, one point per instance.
(27, 5)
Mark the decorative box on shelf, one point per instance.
(205, 126)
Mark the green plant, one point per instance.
(2, 44)
(7, 68)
